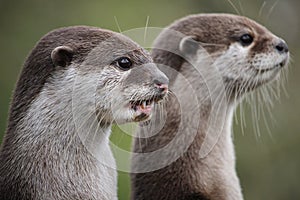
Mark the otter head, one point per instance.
(115, 77)
(245, 53)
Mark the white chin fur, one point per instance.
(236, 64)
(267, 76)
(270, 61)
(127, 115)
(123, 115)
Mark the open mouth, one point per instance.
(143, 108)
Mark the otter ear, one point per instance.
(188, 45)
(62, 56)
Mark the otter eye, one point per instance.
(246, 39)
(124, 63)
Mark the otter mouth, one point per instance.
(143, 108)
(281, 64)
(276, 66)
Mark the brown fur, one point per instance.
(42, 156)
(191, 177)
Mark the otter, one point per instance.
(222, 57)
(75, 83)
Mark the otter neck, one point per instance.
(51, 114)
(192, 170)
(50, 149)
(215, 139)
(48, 129)
(196, 171)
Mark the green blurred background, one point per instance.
(268, 165)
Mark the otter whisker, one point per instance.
(139, 141)
(237, 93)
(266, 122)
(118, 25)
(251, 101)
(79, 129)
(89, 132)
(267, 96)
(261, 9)
(242, 118)
(75, 122)
(234, 7)
(283, 82)
(278, 84)
(146, 26)
(271, 10)
(241, 7)
(169, 93)
(269, 105)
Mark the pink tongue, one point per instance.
(142, 109)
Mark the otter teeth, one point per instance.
(149, 102)
(145, 104)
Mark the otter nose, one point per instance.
(161, 87)
(282, 47)
(161, 83)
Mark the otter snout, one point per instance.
(161, 87)
(160, 81)
(149, 74)
(282, 47)
(146, 85)
(283, 50)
